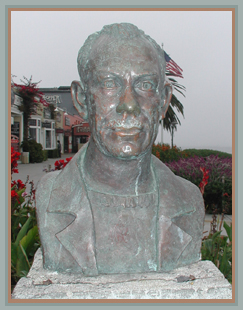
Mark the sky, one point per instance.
(45, 44)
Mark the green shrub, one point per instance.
(205, 153)
(167, 154)
(218, 249)
(24, 245)
(53, 153)
(35, 150)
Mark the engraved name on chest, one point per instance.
(114, 201)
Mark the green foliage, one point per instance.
(20, 215)
(53, 153)
(175, 104)
(215, 199)
(205, 153)
(23, 249)
(167, 154)
(24, 234)
(218, 249)
(15, 203)
(35, 150)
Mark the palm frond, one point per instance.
(175, 103)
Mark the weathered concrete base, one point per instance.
(209, 283)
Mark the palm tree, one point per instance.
(171, 115)
(172, 69)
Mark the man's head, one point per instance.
(122, 89)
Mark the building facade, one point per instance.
(80, 135)
(17, 128)
(67, 119)
(42, 127)
(59, 121)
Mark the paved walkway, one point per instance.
(36, 171)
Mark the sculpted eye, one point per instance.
(109, 84)
(147, 86)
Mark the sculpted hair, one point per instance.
(123, 31)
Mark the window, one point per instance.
(48, 139)
(15, 129)
(33, 134)
(34, 129)
(32, 122)
(50, 136)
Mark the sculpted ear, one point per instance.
(78, 97)
(166, 96)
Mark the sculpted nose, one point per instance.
(128, 104)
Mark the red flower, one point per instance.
(21, 185)
(14, 157)
(204, 181)
(60, 164)
(13, 183)
(14, 195)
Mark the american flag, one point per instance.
(171, 67)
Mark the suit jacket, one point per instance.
(66, 225)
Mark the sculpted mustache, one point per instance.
(123, 124)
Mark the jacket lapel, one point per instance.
(172, 242)
(69, 197)
(173, 204)
(78, 239)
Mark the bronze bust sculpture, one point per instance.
(115, 208)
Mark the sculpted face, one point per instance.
(124, 96)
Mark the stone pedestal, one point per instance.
(201, 280)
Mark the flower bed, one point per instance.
(24, 233)
(218, 191)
